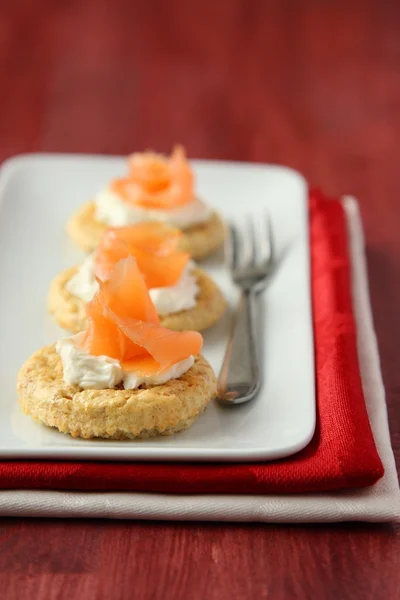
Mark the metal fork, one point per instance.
(249, 256)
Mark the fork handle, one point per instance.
(239, 379)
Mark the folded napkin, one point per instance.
(379, 502)
(342, 453)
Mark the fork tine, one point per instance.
(245, 244)
(251, 242)
(250, 245)
(231, 247)
(265, 241)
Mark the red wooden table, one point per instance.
(312, 84)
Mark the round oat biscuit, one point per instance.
(199, 241)
(112, 413)
(69, 311)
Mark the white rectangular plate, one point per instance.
(37, 195)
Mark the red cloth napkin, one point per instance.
(342, 453)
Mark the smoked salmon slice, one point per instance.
(154, 246)
(148, 235)
(166, 347)
(125, 293)
(102, 337)
(157, 182)
(123, 324)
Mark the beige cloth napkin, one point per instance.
(378, 503)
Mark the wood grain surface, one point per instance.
(313, 84)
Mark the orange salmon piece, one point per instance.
(123, 324)
(157, 182)
(165, 347)
(154, 247)
(126, 295)
(103, 336)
